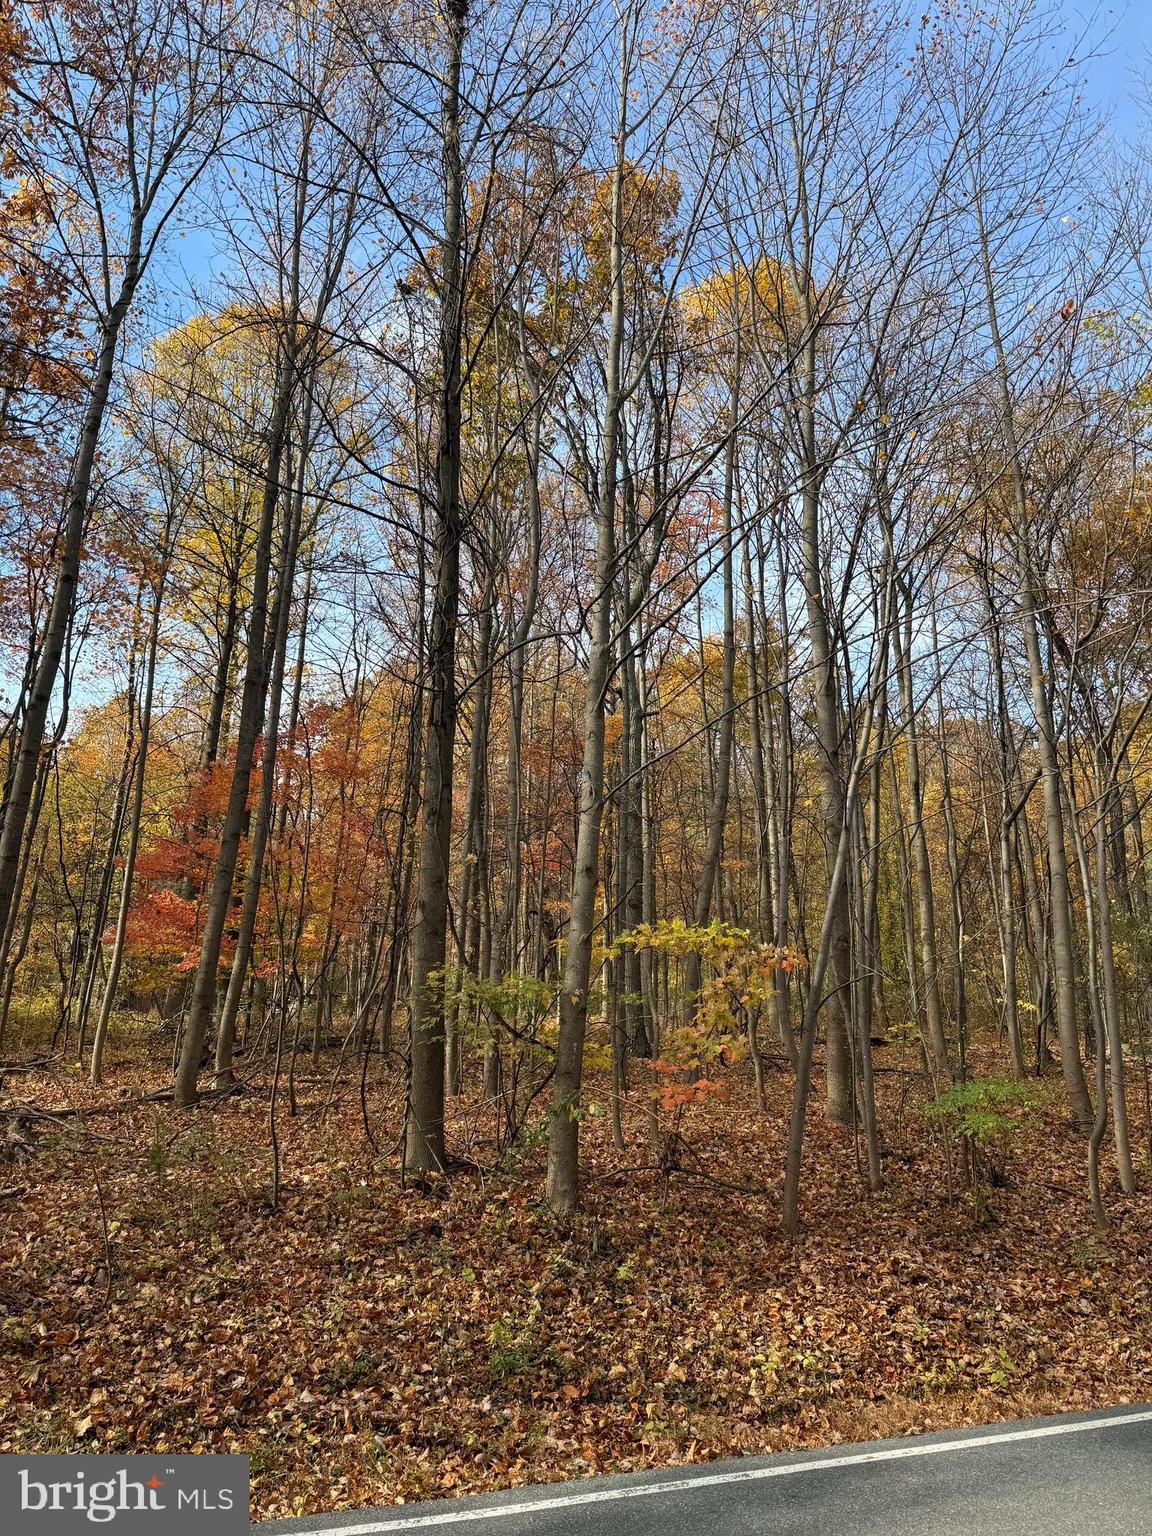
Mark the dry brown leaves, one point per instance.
(368, 1344)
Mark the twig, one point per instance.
(106, 1236)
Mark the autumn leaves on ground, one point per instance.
(575, 732)
(368, 1344)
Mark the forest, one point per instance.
(575, 673)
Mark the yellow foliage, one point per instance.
(766, 303)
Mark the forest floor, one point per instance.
(367, 1344)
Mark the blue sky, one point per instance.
(1124, 58)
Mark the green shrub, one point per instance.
(983, 1115)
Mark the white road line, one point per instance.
(718, 1479)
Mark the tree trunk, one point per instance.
(56, 628)
(204, 987)
(1063, 953)
(721, 786)
(562, 1188)
(921, 862)
(424, 1143)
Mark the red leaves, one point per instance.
(676, 1093)
(161, 932)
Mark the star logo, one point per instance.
(155, 1482)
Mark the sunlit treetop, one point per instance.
(763, 307)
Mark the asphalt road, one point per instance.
(1086, 1474)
